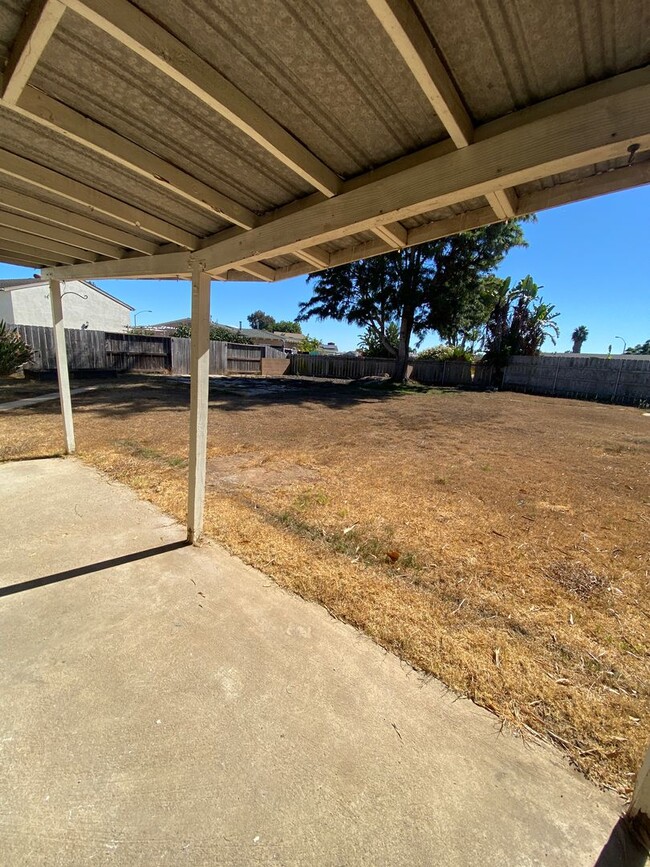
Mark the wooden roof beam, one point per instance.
(47, 179)
(10, 258)
(55, 233)
(132, 28)
(56, 247)
(503, 203)
(259, 270)
(409, 35)
(81, 223)
(34, 34)
(54, 115)
(597, 123)
(34, 255)
(593, 130)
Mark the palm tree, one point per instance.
(579, 336)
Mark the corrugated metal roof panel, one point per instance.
(102, 79)
(325, 71)
(507, 55)
(12, 13)
(26, 189)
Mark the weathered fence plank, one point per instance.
(621, 379)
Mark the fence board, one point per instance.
(452, 373)
(622, 379)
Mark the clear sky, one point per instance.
(592, 258)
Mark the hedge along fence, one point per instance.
(623, 379)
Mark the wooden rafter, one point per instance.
(56, 233)
(399, 20)
(33, 255)
(54, 182)
(595, 130)
(132, 28)
(259, 270)
(8, 234)
(80, 129)
(594, 124)
(414, 44)
(80, 222)
(34, 34)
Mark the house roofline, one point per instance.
(30, 283)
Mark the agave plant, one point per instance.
(13, 350)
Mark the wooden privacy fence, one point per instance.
(102, 351)
(452, 373)
(621, 379)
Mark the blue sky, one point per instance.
(592, 258)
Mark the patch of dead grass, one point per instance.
(488, 539)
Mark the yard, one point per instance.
(495, 540)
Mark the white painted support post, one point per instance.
(199, 390)
(639, 811)
(62, 365)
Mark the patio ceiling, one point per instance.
(264, 140)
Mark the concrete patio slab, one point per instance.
(163, 704)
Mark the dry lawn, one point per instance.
(496, 541)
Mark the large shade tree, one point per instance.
(436, 286)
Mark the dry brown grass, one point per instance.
(497, 541)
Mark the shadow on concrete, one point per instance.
(90, 568)
(622, 849)
(231, 394)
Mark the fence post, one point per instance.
(444, 370)
(199, 393)
(557, 370)
(618, 379)
(63, 376)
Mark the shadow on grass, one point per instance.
(232, 394)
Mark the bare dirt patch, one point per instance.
(497, 541)
(255, 471)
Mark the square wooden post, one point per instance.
(62, 365)
(199, 391)
(639, 811)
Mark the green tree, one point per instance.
(414, 287)
(13, 350)
(639, 349)
(372, 346)
(261, 321)
(308, 344)
(579, 336)
(287, 325)
(217, 332)
(519, 322)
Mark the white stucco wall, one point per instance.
(31, 306)
(6, 308)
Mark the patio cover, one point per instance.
(264, 140)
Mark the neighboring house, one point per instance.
(287, 341)
(27, 302)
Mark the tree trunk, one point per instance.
(577, 346)
(402, 367)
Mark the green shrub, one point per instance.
(446, 353)
(13, 350)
